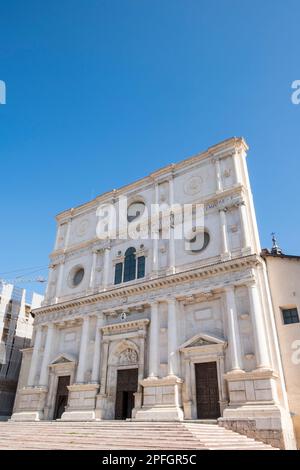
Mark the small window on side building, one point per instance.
(290, 315)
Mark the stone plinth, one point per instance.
(161, 400)
(81, 403)
(31, 404)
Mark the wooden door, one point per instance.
(207, 390)
(127, 383)
(61, 396)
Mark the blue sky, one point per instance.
(101, 92)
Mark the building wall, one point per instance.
(284, 275)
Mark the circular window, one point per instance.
(135, 210)
(78, 276)
(198, 242)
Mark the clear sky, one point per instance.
(102, 92)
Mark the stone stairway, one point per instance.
(114, 435)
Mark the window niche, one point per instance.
(132, 268)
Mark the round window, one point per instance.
(198, 242)
(135, 210)
(78, 276)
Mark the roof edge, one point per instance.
(214, 149)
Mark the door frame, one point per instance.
(116, 338)
(218, 382)
(125, 368)
(56, 395)
(62, 365)
(199, 349)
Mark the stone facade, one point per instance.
(189, 307)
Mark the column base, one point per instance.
(84, 415)
(235, 372)
(101, 400)
(159, 413)
(30, 404)
(27, 416)
(161, 400)
(81, 403)
(246, 250)
(225, 256)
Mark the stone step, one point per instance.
(116, 435)
(186, 439)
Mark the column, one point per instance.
(172, 338)
(93, 269)
(155, 233)
(49, 283)
(259, 331)
(83, 350)
(188, 384)
(234, 342)
(97, 351)
(59, 279)
(44, 376)
(105, 344)
(141, 371)
(35, 357)
(171, 241)
(68, 234)
(155, 254)
(154, 342)
(216, 161)
(245, 176)
(106, 267)
(236, 165)
(244, 227)
(224, 235)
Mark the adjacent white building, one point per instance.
(162, 329)
(284, 279)
(16, 325)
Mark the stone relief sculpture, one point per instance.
(129, 356)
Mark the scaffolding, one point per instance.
(15, 334)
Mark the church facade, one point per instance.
(161, 329)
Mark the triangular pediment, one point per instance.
(202, 339)
(62, 358)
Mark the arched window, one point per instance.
(130, 265)
(132, 268)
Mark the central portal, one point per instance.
(127, 384)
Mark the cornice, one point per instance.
(148, 286)
(255, 374)
(217, 150)
(115, 328)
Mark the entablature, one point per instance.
(197, 281)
